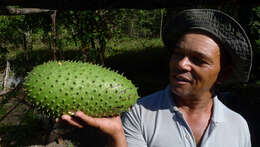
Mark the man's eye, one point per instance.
(198, 61)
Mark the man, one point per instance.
(207, 48)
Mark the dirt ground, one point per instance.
(21, 126)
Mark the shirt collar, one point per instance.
(218, 113)
(172, 106)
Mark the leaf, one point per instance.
(97, 18)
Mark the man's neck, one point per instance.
(197, 112)
(195, 104)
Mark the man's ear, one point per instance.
(225, 73)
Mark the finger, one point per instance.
(71, 121)
(57, 120)
(89, 120)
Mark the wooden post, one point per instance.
(53, 17)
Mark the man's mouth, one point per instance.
(182, 79)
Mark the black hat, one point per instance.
(224, 28)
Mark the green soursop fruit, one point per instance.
(63, 87)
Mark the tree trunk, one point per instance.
(102, 51)
(131, 28)
(72, 33)
(49, 41)
(53, 17)
(25, 47)
(31, 41)
(161, 25)
(6, 75)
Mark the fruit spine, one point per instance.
(63, 87)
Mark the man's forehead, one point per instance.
(198, 45)
(198, 34)
(198, 39)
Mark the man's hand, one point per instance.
(111, 126)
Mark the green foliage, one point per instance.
(10, 28)
(20, 67)
(128, 44)
(2, 110)
(138, 23)
(3, 57)
(255, 26)
(89, 31)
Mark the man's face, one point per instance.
(194, 65)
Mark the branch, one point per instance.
(7, 70)
(103, 4)
(12, 109)
(22, 11)
(4, 92)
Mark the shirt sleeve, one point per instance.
(133, 128)
(248, 137)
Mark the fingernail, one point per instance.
(65, 117)
(57, 120)
(78, 113)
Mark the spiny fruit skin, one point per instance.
(63, 87)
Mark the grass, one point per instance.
(130, 44)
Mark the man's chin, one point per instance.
(180, 91)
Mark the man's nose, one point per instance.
(184, 64)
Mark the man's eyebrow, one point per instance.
(199, 54)
(202, 55)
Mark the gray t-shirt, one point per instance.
(156, 122)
